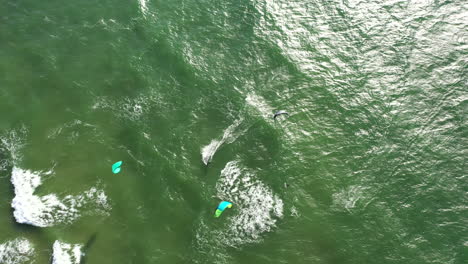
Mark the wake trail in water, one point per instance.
(239, 127)
(230, 134)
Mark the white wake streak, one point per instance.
(230, 134)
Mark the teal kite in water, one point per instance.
(222, 205)
(116, 167)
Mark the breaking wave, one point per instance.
(48, 210)
(258, 207)
(66, 253)
(16, 251)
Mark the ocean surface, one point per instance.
(370, 165)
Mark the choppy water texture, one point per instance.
(369, 167)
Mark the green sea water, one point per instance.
(370, 165)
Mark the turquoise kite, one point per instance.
(222, 205)
(116, 167)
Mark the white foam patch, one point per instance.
(48, 210)
(66, 253)
(16, 251)
(230, 134)
(258, 208)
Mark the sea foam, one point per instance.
(12, 142)
(17, 251)
(66, 253)
(48, 210)
(258, 208)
